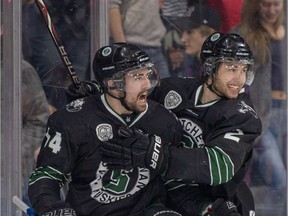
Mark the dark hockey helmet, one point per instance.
(113, 62)
(220, 47)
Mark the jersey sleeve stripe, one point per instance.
(48, 173)
(220, 164)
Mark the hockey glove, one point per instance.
(61, 212)
(222, 207)
(83, 89)
(135, 149)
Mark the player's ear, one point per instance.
(110, 83)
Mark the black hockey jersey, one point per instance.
(217, 138)
(71, 148)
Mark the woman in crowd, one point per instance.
(263, 27)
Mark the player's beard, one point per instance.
(139, 103)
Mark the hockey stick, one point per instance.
(57, 41)
(25, 208)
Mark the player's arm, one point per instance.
(115, 24)
(227, 148)
(225, 151)
(54, 166)
(208, 165)
(87, 88)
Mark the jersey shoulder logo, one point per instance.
(172, 100)
(75, 105)
(244, 108)
(104, 132)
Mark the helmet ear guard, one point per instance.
(250, 74)
(112, 84)
(208, 67)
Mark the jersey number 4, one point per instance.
(53, 142)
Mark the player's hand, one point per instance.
(83, 89)
(222, 207)
(135, 149)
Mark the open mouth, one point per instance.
(143, 96)
(234, 87)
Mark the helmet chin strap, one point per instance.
(213, 89)
(122, 100)
(124, 104)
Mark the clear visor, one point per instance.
(248, 62)
(150, 77)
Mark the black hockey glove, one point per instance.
(222, 207)
(135, 149)
(61, 212)
(83, 89)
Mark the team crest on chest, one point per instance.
(114, 185)
(104, 132)
(75, 105)
(172, 100)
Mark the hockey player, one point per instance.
(219, 126)
(70, 148)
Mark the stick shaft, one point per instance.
(20, 204)
(52, 30)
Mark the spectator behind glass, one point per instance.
(71, 19)
(199, 22)
(262, 25)
(172, 46)
(35, 112)
(139, 22)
